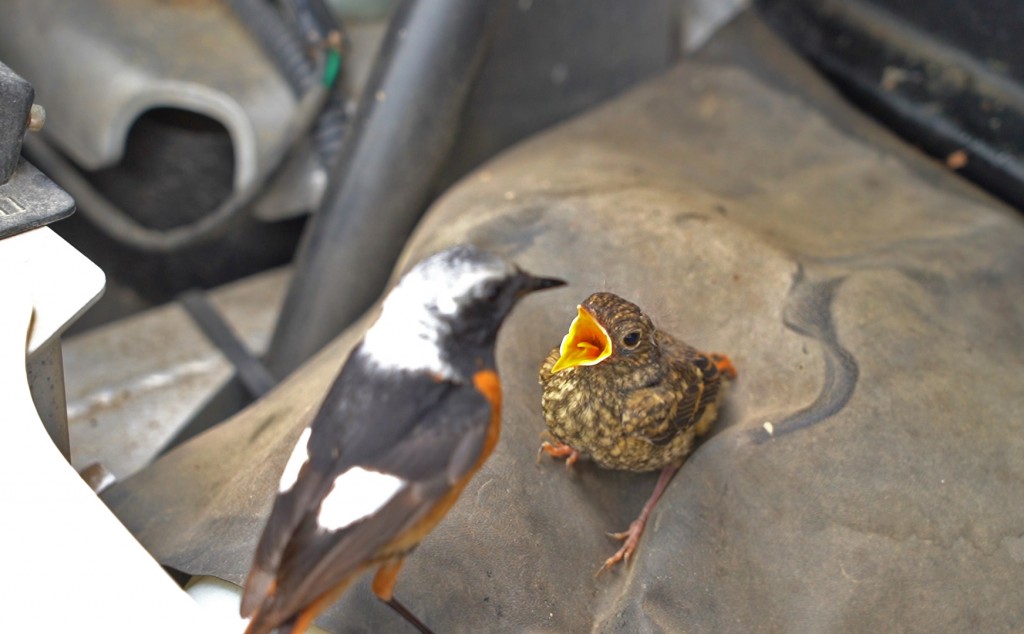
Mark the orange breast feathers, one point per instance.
(488, 384)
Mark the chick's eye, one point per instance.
(631, 339)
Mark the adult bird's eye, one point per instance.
(492, 293)
(631, 339)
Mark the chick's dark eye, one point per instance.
(631, 339)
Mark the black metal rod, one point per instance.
(405, 126)
(253, 375)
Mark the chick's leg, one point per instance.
(557, 449)
(631, 536)
(724, 364)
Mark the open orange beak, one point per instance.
(587, 343)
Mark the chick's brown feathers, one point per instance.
(628, 396)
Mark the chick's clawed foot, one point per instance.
(724, 364)
(636, 528)
(630, 538)
(557, 449)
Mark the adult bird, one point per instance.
(628, 396)
(412, 416)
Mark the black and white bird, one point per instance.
(412, 416)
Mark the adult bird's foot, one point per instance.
(630, 538)
(558, 449)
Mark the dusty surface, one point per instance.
(867, 470)
(133, 384)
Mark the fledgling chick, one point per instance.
(412, 416)
(629, 397)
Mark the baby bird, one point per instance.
(629, 397)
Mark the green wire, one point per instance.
(332, 67)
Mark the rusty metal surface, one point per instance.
(867, 470)
(133, 384)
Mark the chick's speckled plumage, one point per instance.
(640, 408)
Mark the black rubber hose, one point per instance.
(288, 51)
(403, 131)
(283, 46)
(311, 16)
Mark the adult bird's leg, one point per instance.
(632, 534)
(384, 587)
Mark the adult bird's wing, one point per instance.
(428, 436)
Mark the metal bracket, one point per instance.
(30, 200)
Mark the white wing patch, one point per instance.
(298, 458)
(357, 493)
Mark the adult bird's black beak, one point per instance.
(530, 283)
